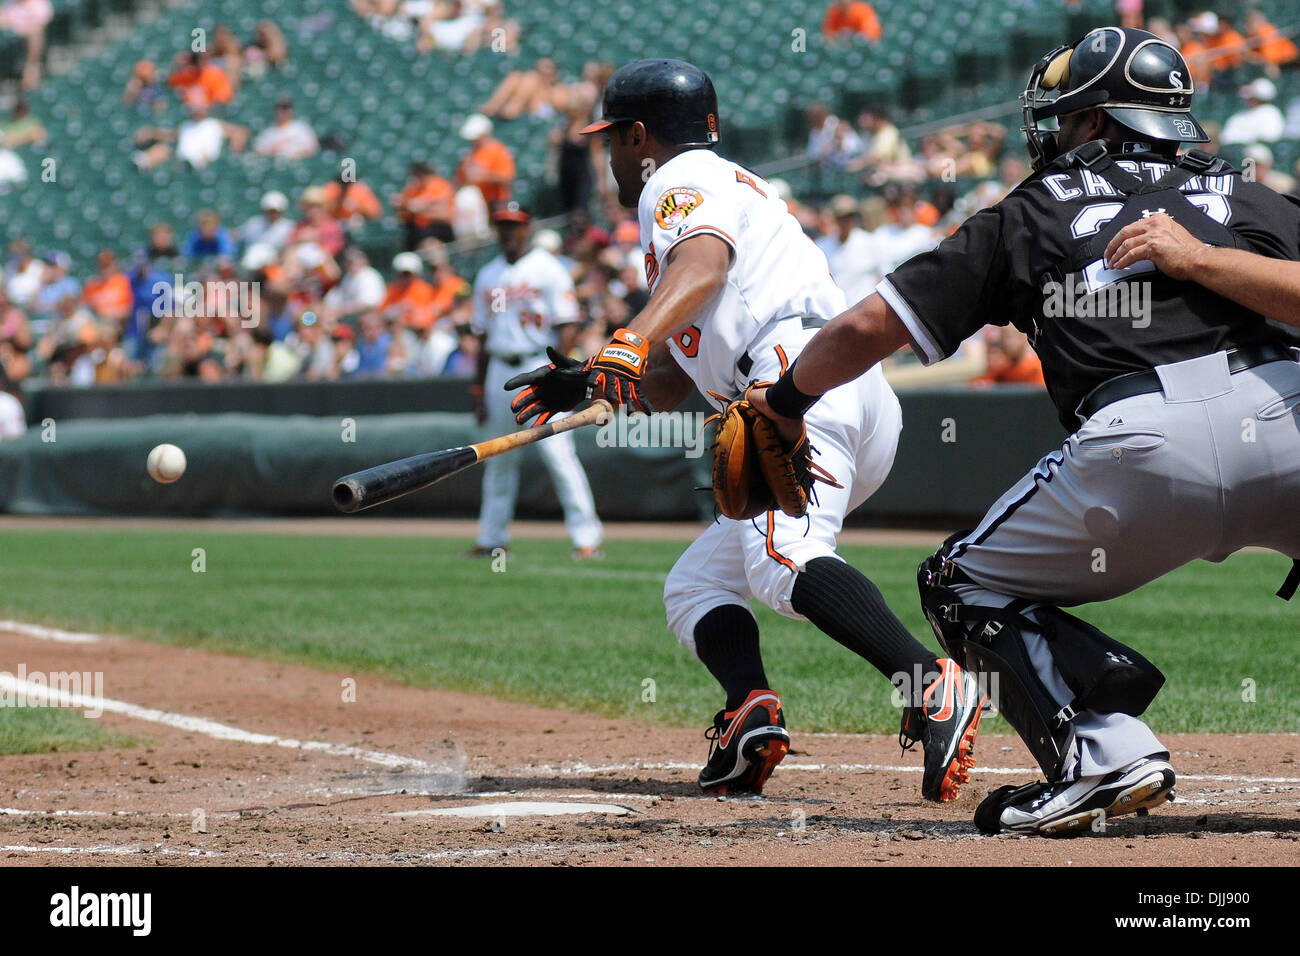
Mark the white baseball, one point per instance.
(166, 463)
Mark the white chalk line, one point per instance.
(40, 692)
(49, 633)
(573, 770)
(120, 814)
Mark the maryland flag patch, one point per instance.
(675, 205)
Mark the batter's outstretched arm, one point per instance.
(694, 271)
(1270, 287)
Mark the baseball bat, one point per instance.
(374, 486)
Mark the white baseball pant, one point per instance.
(854, 429)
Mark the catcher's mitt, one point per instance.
(753, 469)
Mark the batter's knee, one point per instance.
(771, 575)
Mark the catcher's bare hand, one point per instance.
(790, 429)
(1173, 250)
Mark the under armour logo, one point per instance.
(1148, 213)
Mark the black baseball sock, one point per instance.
(726, 640)
(843, 603)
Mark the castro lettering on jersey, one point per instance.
(1078, 183)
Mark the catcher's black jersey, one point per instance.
(1019, 262)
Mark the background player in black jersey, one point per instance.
(1181, 400)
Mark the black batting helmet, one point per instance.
(674, 99)
(1141, 82)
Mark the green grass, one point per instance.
(35, 730)
(587, 636)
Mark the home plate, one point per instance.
(517, 809)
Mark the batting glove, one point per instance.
(558, 387)
(614, 373)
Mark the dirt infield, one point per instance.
(281, 770)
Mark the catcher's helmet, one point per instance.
(1141, 81)
(674, 99)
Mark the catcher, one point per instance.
(736, 292)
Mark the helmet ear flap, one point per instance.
(1057, 72)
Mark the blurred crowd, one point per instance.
(453, 26)
(292, 294)
(287, 295)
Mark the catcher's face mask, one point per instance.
(1141, 82)
(1041, 122)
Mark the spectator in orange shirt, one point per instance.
(425, 206)
(447, 286)
(409, 298)
(1010, 359)
(193, 70)
(1267, 44)
(854, 17)
(109, 293)
(351, 202)
(1196, 54)
(1226, 45)
(489, 165)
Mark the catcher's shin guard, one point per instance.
(1102, 674)
(999, 656)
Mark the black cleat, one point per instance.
(945, 723)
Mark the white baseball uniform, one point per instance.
(779, 291)
(518, 307)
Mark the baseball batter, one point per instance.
(524, 304)
(1181, 400)
(737, 289)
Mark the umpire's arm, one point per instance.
(1268, 286)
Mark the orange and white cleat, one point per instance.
(747, 744)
